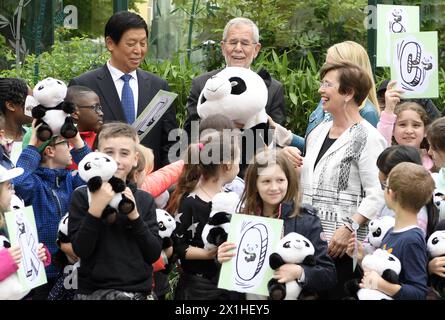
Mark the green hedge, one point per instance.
(72, 58)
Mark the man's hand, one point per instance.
(339, 242)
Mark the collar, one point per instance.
(87, 134)
(116, 74)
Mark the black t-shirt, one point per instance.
(328, 142)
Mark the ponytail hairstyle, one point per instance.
(251, 201)
(203, 160)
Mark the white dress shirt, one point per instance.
(116, 75)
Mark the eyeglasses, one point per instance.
(62, 142)
(383, 185)
(244, 43)
(325, 84)
(96, 107)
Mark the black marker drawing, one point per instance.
(28, 244)
(412, 67)
(251, 255)
(396, 25)
(249, 250)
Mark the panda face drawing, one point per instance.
(250, 251)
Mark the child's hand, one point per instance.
(134, 214)
(288, 272)
(210, 254)
(392, 96)
(350, 248)
(67, 248)
(225, 252)
(33, 140)
(76, 141)
(16, 254)
(370, 280)
(100, 199)
(41, 253)
(168, 252)
(437, 266)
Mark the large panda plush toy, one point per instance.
(10, 287)
(377, 230)
(214, 233)
(387, 265)
(96, 168)
(293, 248)
(436, 248)
(52, 112)
(238, 93)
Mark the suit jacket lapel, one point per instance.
(144, 91)
(108, 90)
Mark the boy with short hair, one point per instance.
(408, 189)
(115, 258)
(88, 115)
(47, 185)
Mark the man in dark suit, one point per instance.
(240, 45)
(124, 89)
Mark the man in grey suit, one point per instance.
(240, 45)
(124, 89)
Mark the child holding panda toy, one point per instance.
(209, 165)
(272, 190)
(409, 187)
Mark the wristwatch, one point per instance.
(350, 224)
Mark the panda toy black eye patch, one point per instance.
(286, 244)
(203, 99)
(238, 85)
(87, 166)
(41, 87)
(435, 240)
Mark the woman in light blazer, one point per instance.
(339, 175)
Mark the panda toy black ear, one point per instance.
(309, 260)
(265, 75)
(390, 276)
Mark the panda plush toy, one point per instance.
(377, 230)
(238, 93)
(436, 248)
(214, 233)
(16, 203)
(96, 168)
(10, 287)
(52, 112)
(293, 248)
(167, 225)
(387, 265)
